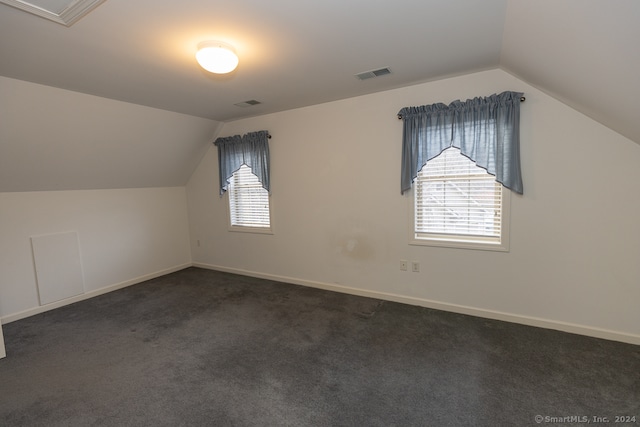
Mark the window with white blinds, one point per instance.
(459, 204)
(248, 201)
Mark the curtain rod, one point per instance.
(268, 136)
(522, 99)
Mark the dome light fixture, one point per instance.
(217, 57)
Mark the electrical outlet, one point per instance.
(415, 267)
(404, 264)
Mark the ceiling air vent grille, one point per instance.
(248, 103)
(374, 73)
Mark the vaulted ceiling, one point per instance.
(299, 53)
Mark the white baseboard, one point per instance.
(41, 309)
(455, 308)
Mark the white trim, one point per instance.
(75, 10)
(3, 352)
(41, 309)
(246, 228)
(437, 305)
(451, 241)
(455, 308)
(254, 230)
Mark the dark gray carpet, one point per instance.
(199, 347)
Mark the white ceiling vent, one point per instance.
(64, 12)
(248, 103)
(374, 73)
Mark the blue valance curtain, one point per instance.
(486, 130)
(251, 149)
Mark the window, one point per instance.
(462, 200)
(458, 204)
(243, 163)
(248, 202)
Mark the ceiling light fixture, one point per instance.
(217, 57)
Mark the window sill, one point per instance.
(462, 244)
(252, 230)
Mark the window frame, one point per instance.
(245, 228)
(461, 241)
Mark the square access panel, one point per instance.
(64, 12)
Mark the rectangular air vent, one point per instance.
(64, 12)
(373, 73)
(248, 103)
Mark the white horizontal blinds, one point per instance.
(456, 197)
(248, 200)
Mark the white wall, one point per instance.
(125, 236)
(89, 149)
(341, 223)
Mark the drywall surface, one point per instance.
(339, 219)
(58, 266)
(123, 235)
(55, 139)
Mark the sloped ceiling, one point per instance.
(54, 139)
(299, 53)
(583, 52)
(292, 53)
